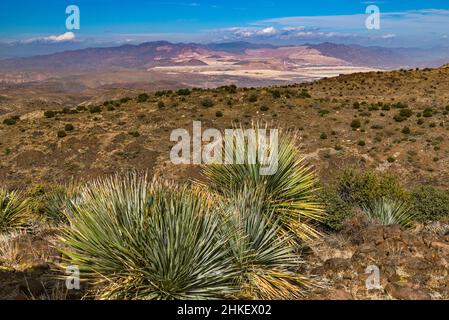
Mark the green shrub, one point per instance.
(361, 143)
(355, 124)
(430, 204)
(161, 104)
(61, 134)
(304, 94)
(337, 211)
(207, 103)
(427, 113)
(253, 97)
(276, 94)
(49, 114)
(11, 121)
(360, 188)
(95, 109)
(183, 92)
(13, 210)
(406, 130)
(323, 136)
(143, 97)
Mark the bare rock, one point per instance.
(406, 292)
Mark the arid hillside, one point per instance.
(391, 121)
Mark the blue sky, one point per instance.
(403, 22)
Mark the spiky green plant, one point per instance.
(52, 203)
(290, 191)
(13, 210)
(261, 250)
(142, 241)
(387, 212)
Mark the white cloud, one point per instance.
(68, 36)
(389, 36)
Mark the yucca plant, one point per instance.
(289, 191)
(137, 240)
(13, 210)
(261, 250)
(387, 212)
(52, 203)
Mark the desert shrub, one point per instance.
(361, 143)
(406, 130)
(125, 99)
(290, 189)
(355, 124)
(143, 97)
(81, 108)
(420, 121)
(13, 210)
(141, 241)
(391, 159)
(253, 97)
(11, 121)
(183, 92)
(134, 134)
(61, 134)
(69, 127)
(264, 108)
(207, 102)
(337, 210)
(161, 104)
(361, 188)
(95, 109)
(219, 114)
(430, 204)
(427, 113)
(388, 212)
(323, 136)
(399, 118)
(304, 94)
(323, 112)
(276, 94)
(50, 114)
(406, 113)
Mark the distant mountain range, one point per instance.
(235, 59)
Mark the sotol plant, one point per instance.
(13, 210)
(261, 250)
(142, 241)
(289, 192)
(387, 211)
